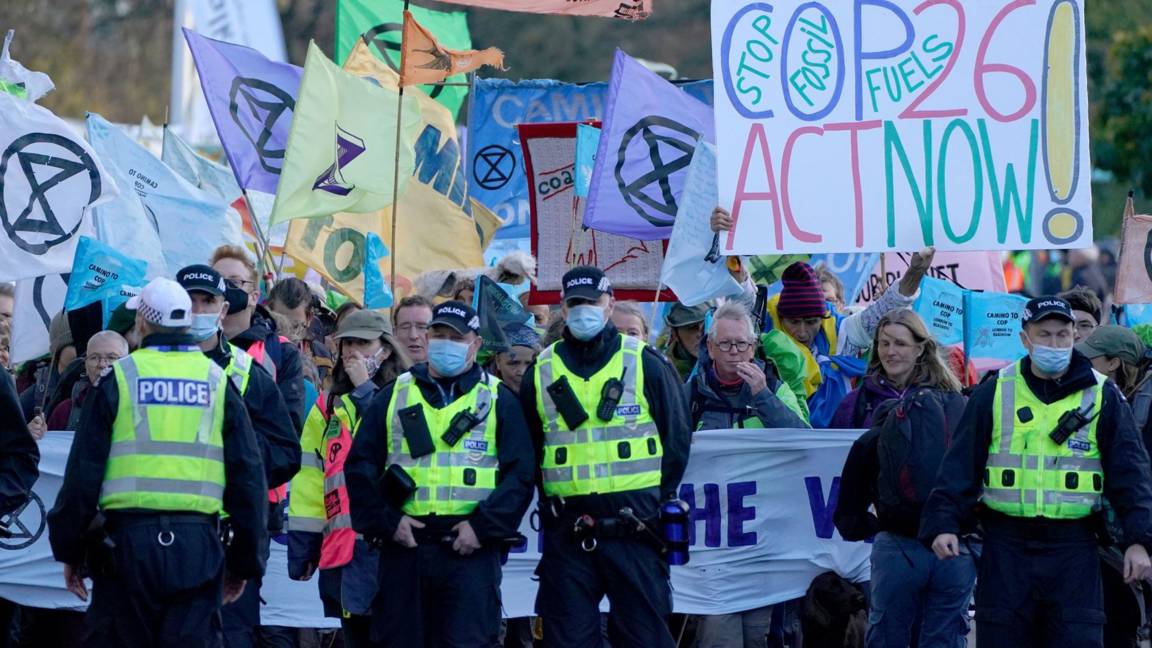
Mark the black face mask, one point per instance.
(236, 297)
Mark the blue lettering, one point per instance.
(738, 514)
(822, 511)
(710, 514)
(440, 167)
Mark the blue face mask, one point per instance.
(204, 325)
(585, 321)
(447, 357)
(1050, 360)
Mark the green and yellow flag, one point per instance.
(342, 150)
(379, 23)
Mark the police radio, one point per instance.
(610, 397)
(460, 425)
(1070, 422)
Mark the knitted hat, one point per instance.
(802, 296)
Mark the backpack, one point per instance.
(914, 433)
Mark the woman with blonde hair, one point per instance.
(911, 404)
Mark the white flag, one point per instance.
(49, 177)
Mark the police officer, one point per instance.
(279, 443)
(1035, 451)
(612, 433)
(449, 445)
(163, 446)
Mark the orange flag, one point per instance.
(423, 60)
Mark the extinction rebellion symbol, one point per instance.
(25, 525)
(256, 107)
(658, 148)
(493, 166)
(52, 161)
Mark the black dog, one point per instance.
(834, 613)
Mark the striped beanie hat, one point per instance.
(802, 296)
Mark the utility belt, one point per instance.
(997, 524)
(589, 531)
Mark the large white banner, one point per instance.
(887, 125)
(762, 504)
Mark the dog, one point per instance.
(834, 613)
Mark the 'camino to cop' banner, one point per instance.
(888, 125)
(761, 506)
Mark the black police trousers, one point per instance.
(432, 596)
(163, 586)
(1034, 592)
(629, 571)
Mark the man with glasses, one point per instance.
(410, 318)
(104, 349)
(1086, 311)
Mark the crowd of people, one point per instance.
(412, 452)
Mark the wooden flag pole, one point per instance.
(395, 189)
(263, 256)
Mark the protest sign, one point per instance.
(689, 270)
(986, 323)
(496, 164)
(37, 300)
(587, 141)
(649, 134)
(941, 306)
(970, 270)
(49, 177)
(558, 240)
(959, 125)
(102, 274)
(1134, 274)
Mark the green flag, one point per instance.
(380, 23)
(341, 152)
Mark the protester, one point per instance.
(685, 331)
(541, 315)
(5, 346)
(104, 349)
(295, 300)
(61, 351)
(344, 310)
(464, 289)
(247, 325)
(410, 318)
(1084, 270)
(915, 599)
(619, 486)
(1121, 355)
(629, 320)
(511, 365)
(732, 390)
(1039, 575)
(160, 578)
(440, 538)
(833, 289)
(319, 532)
(7, 301)
(1086, 308)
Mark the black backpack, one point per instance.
(914, 433)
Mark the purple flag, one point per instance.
(251, 100)
(648, 137)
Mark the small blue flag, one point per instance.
(101, 274)
(377, 293)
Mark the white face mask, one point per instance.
(204, 325)
(585, 321)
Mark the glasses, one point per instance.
(1086, 326)
(408, 327)
(739, 345)
(97, 359)
(241, 283)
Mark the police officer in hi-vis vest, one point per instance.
(163, 446)
(1035, 452)
(612, 433)
(439, 477)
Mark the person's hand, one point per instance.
(37, 427)
(356, 369)
(403, 535)
(946, 546)
(1137, 566)
(752, 376)
(233, 588)
(74, 582)
(917, 268)
(721, 220)
(309, 569)
(466, 541)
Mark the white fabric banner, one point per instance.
(762, 503)
(37, 301)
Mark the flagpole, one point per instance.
(396, 170)
(262, 241)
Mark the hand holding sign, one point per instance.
(917, 268)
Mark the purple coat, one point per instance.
(875, 390)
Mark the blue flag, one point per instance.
(650, 132)
(587, 141)
(377, 293)
(941, 306)
(992, 325)
(101, 274)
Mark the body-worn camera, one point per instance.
(1070, 422)
(567, 404)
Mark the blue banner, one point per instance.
(941, 306)
(992, 325)
(377, 293)
(496, 165)
(101, 274)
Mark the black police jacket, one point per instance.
(494, 519)
(19, 455)
(665, 395)
(952, 506)
(245, 491)
(279, 442)
(289, 367)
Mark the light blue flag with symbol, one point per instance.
(587, 141)
(992, 325)
(102, 274)
(941, 306)
(377, 293)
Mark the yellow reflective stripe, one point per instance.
(602, 471)
(1007, 386)
(466, 460)
(306, 524)
(594, 435)
(154, 449)
(310, 460)
(124, 485)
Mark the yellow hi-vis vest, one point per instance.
(1027, 474)
(167, 439)
(239, 368)
(621, 454)
(453, 479)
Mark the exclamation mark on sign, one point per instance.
(1061, 115)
